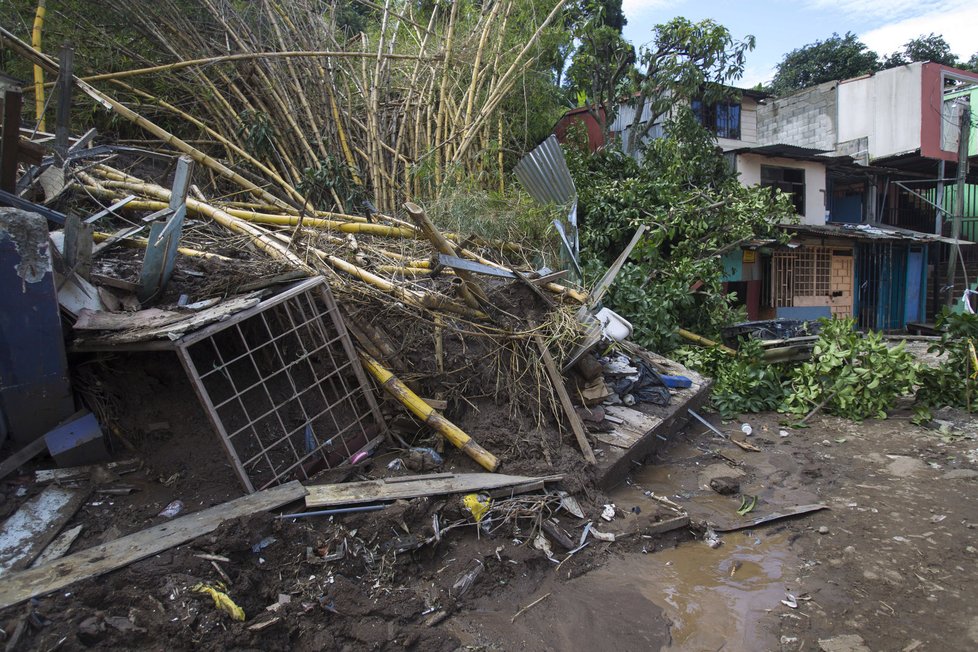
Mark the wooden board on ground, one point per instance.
(31, 528)
(630, 426)
(776, 516)
(77, 473)
(24, 585)
(59, 547)
(406, 487)
(23, 456)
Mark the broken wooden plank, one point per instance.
(76, 473)
(23, 456)
(407, 487)
(24, 585)
(59, 547)
(90, 320)
(116, 283)
(557, 381)
(775, 516)
(616, 437)
(27, 533)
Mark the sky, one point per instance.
(884, 25)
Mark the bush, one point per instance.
(851, 374)
(741, 384)
(953, 383)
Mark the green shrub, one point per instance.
(851, 374)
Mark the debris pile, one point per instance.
(429, 395)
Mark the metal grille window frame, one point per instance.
(802, 272)
(296, 340)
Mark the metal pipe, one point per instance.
(338, 510)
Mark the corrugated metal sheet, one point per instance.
(626, 115)
(544, 174)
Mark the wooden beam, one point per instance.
(415, 486)
(31, 528)
(565, 401)
(23, 456)
(23, 585)
(10, 141)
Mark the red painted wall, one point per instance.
(931, 96)
(594, 135)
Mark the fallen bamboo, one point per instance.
(199, 157)
(141, 243)
(470, 290)
(703, 341)
(429, 415)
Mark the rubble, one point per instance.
(219, 342)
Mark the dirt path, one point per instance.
(891, 565)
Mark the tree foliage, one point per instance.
(932, 47)
(685, 61)
(837, 57)
(695, 208)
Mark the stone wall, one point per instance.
(805, 119)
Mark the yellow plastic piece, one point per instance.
(477, 504)
(221, 600)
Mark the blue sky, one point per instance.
(884, 25)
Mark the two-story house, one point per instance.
(866, 162)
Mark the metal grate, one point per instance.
(283, 386)
(803, 272)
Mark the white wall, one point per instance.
(749, 168)
(884, 107)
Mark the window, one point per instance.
(722, 118)
(802, 272)
(791, 181)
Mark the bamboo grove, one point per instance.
(284, 103)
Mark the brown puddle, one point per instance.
(714, 599)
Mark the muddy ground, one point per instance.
(891, 565)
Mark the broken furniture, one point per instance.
(278, 378)
(35, 392)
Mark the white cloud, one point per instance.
(632, 7)
(956, 24)
(754, 75)
(891, 9)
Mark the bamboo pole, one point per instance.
(141, 243)
(429, 415)
(703, 341)
(505, 83)
(127, 113)
(38, 71)
(470, 290)
(442, 114)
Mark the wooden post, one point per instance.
(63, 116)
(9, 141)
(964, 138)
(565, 401)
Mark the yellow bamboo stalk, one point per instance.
(442, 114)
(505, 83)
(127, 113)
(38, 71)
(258, 237)
(141, 243)
(228, 144)
(429, 415)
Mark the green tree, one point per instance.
(601, 64)
(837, 57)
(685, 61)
(696, 210)
(932, 47)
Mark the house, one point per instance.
(867, 162)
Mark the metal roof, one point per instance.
(870, 232)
